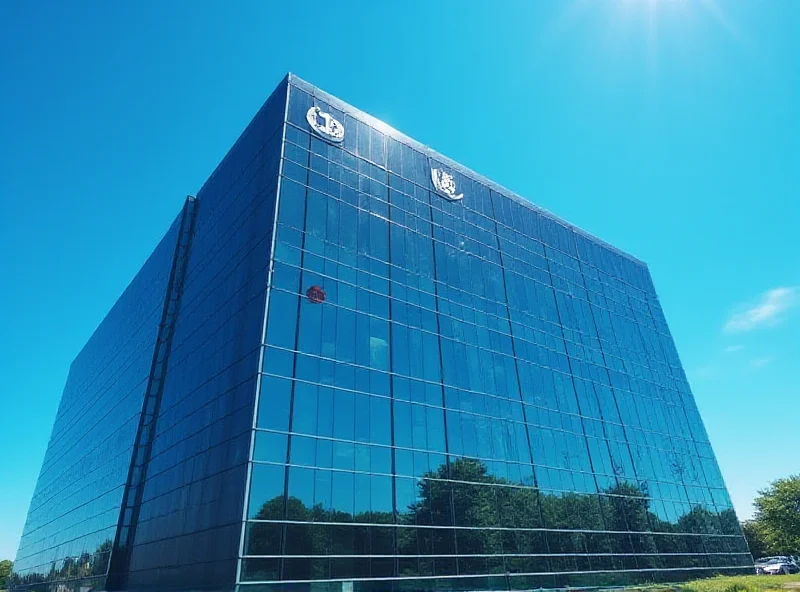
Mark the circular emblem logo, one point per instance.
(445, 184)
(315, 294)
(324, 125)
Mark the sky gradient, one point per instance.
(669, 128)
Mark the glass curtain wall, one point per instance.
(464, 394)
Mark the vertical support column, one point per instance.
(262, 350)
(119, 564)
(295, 346)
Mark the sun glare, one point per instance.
(617, 22)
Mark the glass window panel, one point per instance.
(256, 570)
(299, 539)
(402, 424)
(303, 451)
(380, 420)
(263, 539)
(343, 455)
(343, 497)
(281, 325)
(291, 210)
(361, 458)
(266, 492)
(273, 406)
(270, 446)
(278, 361)
(324, 453)
(344, 415)
(322, 491)
(325, 412)
(301, 493)
(298, 568)
(304, 418)
(381, 498)
(380, 459)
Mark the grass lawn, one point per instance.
(725, 584)
(733, 584)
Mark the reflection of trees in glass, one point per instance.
(85, 566)
(461, 509)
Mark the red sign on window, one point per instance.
(316, 294)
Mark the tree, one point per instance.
(753, 533)
(778, 515)
(5, 571)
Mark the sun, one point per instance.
(649, 27)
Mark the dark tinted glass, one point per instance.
(473, 386)
(73, 515)
(182, 350)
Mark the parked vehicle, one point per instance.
(780, 565)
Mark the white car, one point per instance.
(773, 566)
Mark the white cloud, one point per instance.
(733, 348)
(770, 310)
(757, 363)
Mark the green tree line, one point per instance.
(5, 571)
(775, 527)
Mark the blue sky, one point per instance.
(667, 127)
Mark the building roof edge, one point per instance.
(430, 152)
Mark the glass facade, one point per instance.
(386, 372)
(487, 398)
(73, 515)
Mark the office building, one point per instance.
(352, 364)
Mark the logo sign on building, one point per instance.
(445, 184)
(324, 125)
(315, 294)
